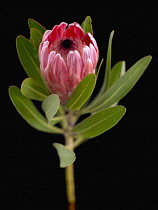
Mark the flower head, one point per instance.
(66, 56)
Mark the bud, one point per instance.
(66, 56)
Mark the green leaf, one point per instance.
(29, 59)
(29, 112)
(56, 120)
(107, 67)
(50, 106)
(99, 122)
(117, 71)
(33, 90)
(87, 25)
(34, 24)
(98, 70)
(36, 37)
(66, 156)
(82, 92)
(121, 87)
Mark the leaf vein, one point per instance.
(89, 128)
(32, 60)
(51, 107)
(36, 117)
(39, 93)
(121, 86)
(81, 94)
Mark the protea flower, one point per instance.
(66, 56)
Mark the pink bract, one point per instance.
(66, 56)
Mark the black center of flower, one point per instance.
(67, 43)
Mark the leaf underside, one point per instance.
(66, 156)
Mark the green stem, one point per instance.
(69, 176)
(78, 142)
(69, 171)
(70, 187)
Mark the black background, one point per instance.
(116, 170)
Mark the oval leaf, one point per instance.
(50, 106)
(34, 24)
(120, 88)
(82, 92)
(99, 122)
(29, 59)
(66, 156)
(31, 89)
(29, 112)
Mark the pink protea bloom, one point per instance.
(66, 56)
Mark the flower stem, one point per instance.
(69, 177)
(69, 170)
(70, 187)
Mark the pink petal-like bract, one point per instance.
(66, 56)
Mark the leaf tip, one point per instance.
(30, 20)
(89, 17)
(11, 87)
(150, 57)
(112, 32)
